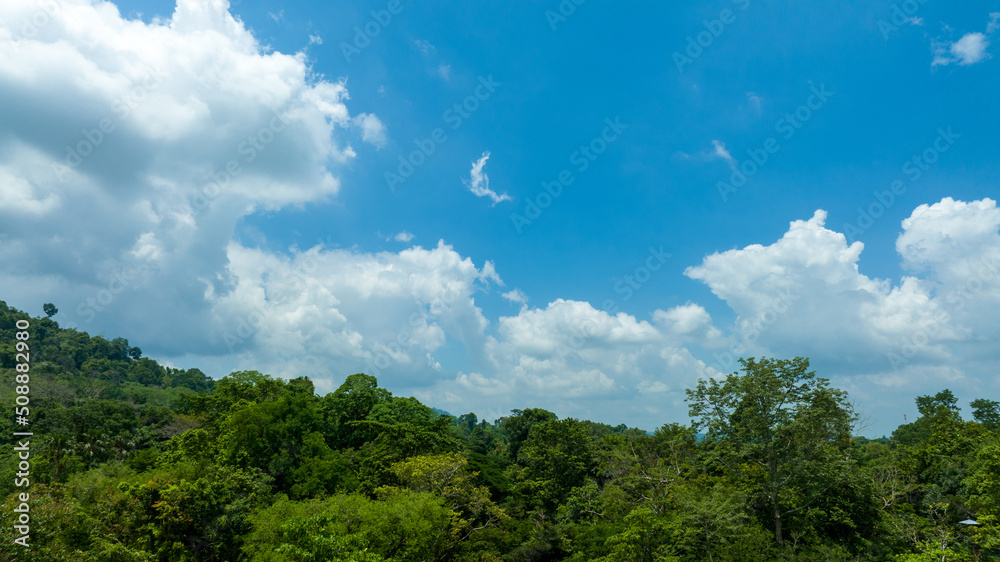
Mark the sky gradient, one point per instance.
(575, 206)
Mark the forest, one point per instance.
(135, 461)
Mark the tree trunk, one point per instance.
(777, 518)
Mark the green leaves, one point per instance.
(556, 458)
(262, 469)
(783, 420)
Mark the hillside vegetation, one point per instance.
(135, 461)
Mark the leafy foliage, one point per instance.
(135, 461)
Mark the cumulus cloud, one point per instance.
(130, 151)
(326, 312)
(575, 358)
(804, 294)
(955, 246)
(800, 295)
(479, 182)
(690, 322)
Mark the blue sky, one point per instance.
(312, 260)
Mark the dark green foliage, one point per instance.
(136, 461)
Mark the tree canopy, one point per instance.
(137, 461)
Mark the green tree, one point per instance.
(983, 484)
(986, 412)
(447, 476)
(556, 458)
(644, 539)
(519, 424)
(778, 428)
(50, 309)
(350, 403)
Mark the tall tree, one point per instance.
(777, 427)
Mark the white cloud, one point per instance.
(479, 182)
(994, 24)
(969, 49)
(276, 18)
(690, 322)
(955, 245)
(424, 46)
(143, 227)
(801, 295)
(444, 71)
(565, 323)
(130, 151)
(326, 312)
(719, 151)
(516, 295)
(804, 295)
(373, 131)
(572, 358)
(315, 40)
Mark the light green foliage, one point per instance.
(403, 526)
(646, 538)
(447, 476)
